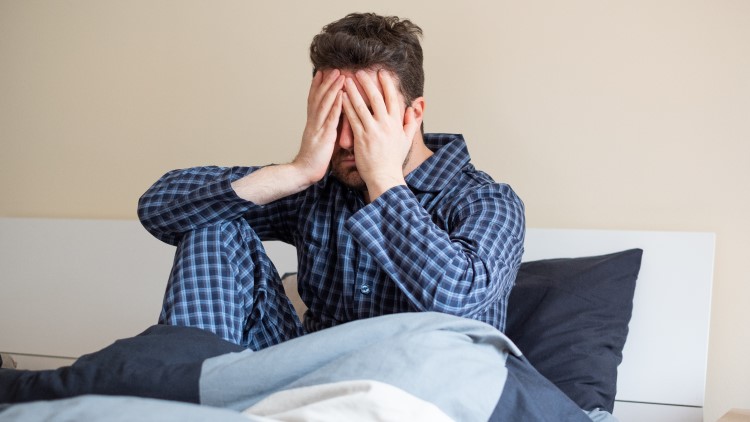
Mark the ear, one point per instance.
(418, 105)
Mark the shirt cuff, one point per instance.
(397, 209)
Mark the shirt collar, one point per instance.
(450, 156)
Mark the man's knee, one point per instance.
(225, 232)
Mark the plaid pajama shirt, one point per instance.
(450, 241)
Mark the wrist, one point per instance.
(300, 174)
(270, 183)
(306, 173)
(381, 185)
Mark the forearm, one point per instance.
(271, 183)
(183, 200)
(460, 271)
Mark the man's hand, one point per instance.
(324, 104)
(383, 133)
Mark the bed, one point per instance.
(591, 279)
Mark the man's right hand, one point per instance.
(324, 106)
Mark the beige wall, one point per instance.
(601, 114)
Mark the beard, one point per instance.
(347, 173)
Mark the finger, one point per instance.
(317, 77)
(326, 96)
(392, 101)
(351, 114)
(330, 78)
(332, 121)
(313, 87)
(369, 85)
(331, 90)
(363, 114)
(320, 83)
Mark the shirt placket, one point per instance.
(360, 288)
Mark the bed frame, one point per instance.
(70, 287)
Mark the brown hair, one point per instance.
(369, 41)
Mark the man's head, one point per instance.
(368, 41)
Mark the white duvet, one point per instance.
(360, 400)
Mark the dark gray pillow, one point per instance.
(570, 316)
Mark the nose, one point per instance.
(346, 136)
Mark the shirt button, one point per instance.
(365, 289)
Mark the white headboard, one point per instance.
(663, 373)
(70, 287)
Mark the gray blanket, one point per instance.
(468, 369)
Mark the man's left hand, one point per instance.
(383, 133)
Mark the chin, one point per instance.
(350, 178)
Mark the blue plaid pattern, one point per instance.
(450, 242)
(222, 281)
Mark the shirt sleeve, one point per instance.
(459, 271)
(188, 199)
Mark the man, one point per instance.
(384, 218)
